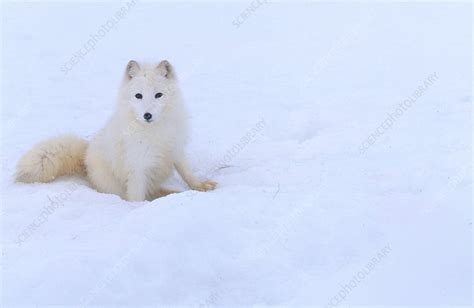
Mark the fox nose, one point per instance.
(147, 116)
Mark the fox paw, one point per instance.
(205, 186)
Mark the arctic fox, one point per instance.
(137, 149)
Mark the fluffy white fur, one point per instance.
(131, 156)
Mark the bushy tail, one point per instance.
(63, 155)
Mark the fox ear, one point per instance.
(165, 69)
(132, 69)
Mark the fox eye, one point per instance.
(139, 95)
(158, 95)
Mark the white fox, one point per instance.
(137, 149)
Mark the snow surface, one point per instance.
(283, 100)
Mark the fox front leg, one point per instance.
(136, 187)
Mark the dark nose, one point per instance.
(147, 116)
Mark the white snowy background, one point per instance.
(302, 215)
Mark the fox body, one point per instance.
(137, 150)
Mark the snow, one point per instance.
(282, 98)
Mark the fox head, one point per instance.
(148, 90)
